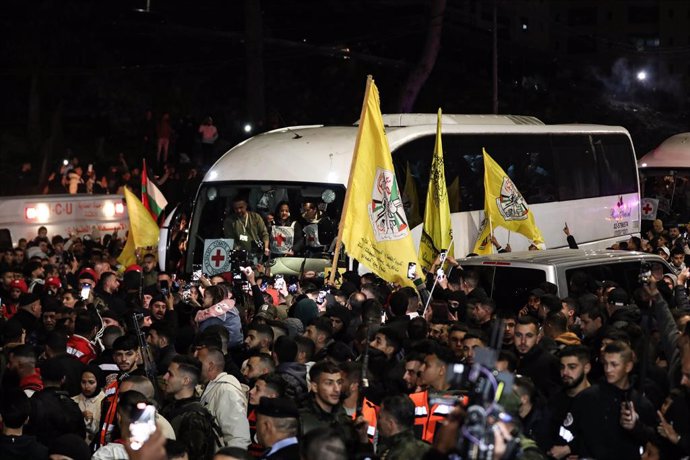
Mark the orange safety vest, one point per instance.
(369, 412)
(425, 417)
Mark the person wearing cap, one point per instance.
(266, 312)
(11, 303)
(53, 286)
(28, 313)
(664, 252)
(620, 311)
(277, 427)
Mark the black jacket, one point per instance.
(543, 368)
(290, 452)
(596, 423)
(53, 413)
(22, 448)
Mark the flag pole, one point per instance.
(431, 293)
(341, 224)
(491, 234)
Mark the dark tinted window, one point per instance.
(509, 286)
(616, 165)
(575, 167)
(625, 274)
(545, 168)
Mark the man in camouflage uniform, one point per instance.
(395, 424)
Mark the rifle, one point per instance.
(363, 377)
(146, 355)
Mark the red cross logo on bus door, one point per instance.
(218, 257)
(647, 208)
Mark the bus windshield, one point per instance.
(315, 209)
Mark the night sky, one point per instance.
(80, 74)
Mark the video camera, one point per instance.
(484, 387)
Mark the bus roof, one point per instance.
(673, 153)
(323, 154)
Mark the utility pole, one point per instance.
(495, 58)
(256, 105)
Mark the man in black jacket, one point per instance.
(611, 420)
(14, 444)
(53, 412)
(535, 362)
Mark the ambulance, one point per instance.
(21, 216)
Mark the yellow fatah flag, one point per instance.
(504, 204)
(437, 234)
(142, 228)
(482, 245)
(412, 196)
(128, 255)
(454, 195)
(374, 227)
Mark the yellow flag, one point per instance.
(437, 234)
(142, 227)
(454, 195)
(504, 205)
(413, 217)
(483, 245)
(128, 255)
(374, 226)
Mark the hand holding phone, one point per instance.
(85, 291)
(412, 270)
(142, 425)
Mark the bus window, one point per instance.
(215, 204)
(575, 167)
(615, 165)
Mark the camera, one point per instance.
(238, 259)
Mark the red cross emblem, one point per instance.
(647, 208)
(280, 239)
(218, 258)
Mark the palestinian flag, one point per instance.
(151, 197)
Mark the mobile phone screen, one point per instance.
(85, 290)
(411, 270)
(142, 426)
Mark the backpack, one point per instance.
(197, 429)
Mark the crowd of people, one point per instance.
(245, 365)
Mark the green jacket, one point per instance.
(402, 445)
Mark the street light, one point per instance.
(641, 75)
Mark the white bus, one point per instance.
(585, 175)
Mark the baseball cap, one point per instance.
(267, 311)
(54, 281)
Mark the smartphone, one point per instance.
(321, 297)
(246, 287)
(85, 291)
(440, 274)
(165, 287)
(412, 270)
(279, 282)
(142, 424)
(442, 256)
(292, 289)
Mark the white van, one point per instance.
(62, 215)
